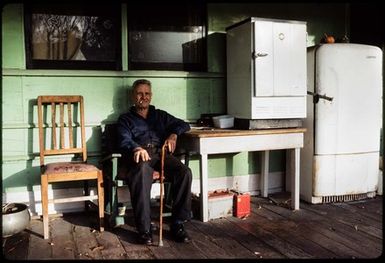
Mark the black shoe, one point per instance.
(145, 238)
(179, 234)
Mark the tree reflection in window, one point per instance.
(60, 37)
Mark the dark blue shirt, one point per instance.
(136, 131)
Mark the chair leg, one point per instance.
(167, 200)
(101, 201)
(44, 205)
(86, 192)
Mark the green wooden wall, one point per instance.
(184, 94)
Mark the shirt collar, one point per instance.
(151, 110)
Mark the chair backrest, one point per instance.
(71, 119)
(110, 141)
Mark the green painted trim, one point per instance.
(11, 126)
(17, 158)
(35, 157)
(107, 73)
(23, 55)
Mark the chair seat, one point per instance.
(69, 167)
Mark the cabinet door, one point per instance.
(263, 59)
(289, 60)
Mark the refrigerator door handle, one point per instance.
(317, 96)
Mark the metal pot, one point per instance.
(16, 218)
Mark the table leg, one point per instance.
(295, 179)
(265, 173)
(203, 183)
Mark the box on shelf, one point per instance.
(223, 121)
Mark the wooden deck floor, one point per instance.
(340, 230)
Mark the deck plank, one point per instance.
(63, 245)
(365, 209)
(39, 248)
(365, 218)
(203, 242)
(371, 206)
(189, 250)
(171, 249)
(87, 245)
(249, 241)
(84, 236)
(110, 246)
(296, 234)
(230, 247)
(13, 246)
(354, 220)
(128, 238)
(280, 245)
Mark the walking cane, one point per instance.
(160, 244)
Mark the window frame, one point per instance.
(62, 9)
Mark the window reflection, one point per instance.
(62, 37)
(167, 37)
(165, 46)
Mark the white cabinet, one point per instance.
(266, 69)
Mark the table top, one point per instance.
(215, 132)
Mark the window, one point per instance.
(60, 36)
(167, 36)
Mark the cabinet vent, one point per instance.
(347, 198)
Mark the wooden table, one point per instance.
(217, 141)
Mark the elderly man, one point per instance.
(142, 132)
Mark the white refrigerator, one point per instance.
(340, 158)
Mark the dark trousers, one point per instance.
(139, 180)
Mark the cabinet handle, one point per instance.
(256, 55)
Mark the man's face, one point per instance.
(142, 96)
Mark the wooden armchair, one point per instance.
(71, 110)
(110, 166)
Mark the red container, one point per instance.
(241, 205)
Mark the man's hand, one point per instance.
(171, 142)
(141, 154)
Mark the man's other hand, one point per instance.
(171, 142)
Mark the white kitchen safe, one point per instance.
(266, 69)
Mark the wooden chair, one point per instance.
(71, 108)
(110, 166)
